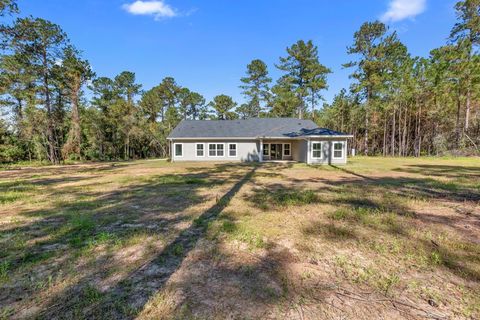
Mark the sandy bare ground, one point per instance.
(376, 239)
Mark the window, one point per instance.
(338, 150)
(219, 150)
(200, 150)
(266, 149)
(178, 150)
(286, 149)
(232, 150)
(316, 150)
(212, 150)
(215, 150)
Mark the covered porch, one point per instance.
(281, 150)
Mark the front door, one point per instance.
(276, 151)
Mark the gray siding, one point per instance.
(327, 151)
(302, 147)
(247, 150)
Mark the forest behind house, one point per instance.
(55, 108)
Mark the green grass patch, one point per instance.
(177, 179)
(386, 283)
(236, 231)
(33, 258)
(12, 191)
(229, 227)
(177, 250)
(4, 270)
(283, 197)
(91, 294)
(244, 234)
(370, 217)
(103, 238)
(167, 179)
(81, 227)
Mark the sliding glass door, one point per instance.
(276, 151)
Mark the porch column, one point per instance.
(309, 147)
(260, 156)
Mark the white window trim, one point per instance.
(321, 149)
(268, 149)
(175, 150)
(216, 150)
(208, 150)
(333, 150)
(228, 150)
(223, 144)
(204, 151)
(290, 149)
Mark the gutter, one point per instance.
(264, 137)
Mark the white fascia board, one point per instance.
(327, 136)
(213, 138)
(264, 137)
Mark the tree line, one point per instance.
(398, 104)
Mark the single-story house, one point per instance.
(257, 139)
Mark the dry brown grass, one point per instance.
(378, 238)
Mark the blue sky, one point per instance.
(206, 45)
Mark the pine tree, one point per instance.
(304, 74)
(255, 89)
(223, 104)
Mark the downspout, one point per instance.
(330, 152)
(308, 150)
(260, 155)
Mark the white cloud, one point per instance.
(402, 9)
(156, 8)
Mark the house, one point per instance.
(257, 139)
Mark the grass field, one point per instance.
(377, 238)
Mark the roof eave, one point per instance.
(262, 137)
(211, 138)
(330, 136)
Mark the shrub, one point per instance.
(10, 153)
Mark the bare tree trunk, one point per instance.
(469, 84)
(404, 135)
(399, 131)
(52, 154)
(127, 147)
(366, 133)
(419, 130)
(467, 109)
(366, 120)
(77, 137)
(385, 136)
(342, 122)
(457, 129)
(393, 134)
(409, 131)
(313, 106)
(73, 144)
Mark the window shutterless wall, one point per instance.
(322, 151)
(245, 150)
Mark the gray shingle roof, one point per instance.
(317, 132)
(249, 128)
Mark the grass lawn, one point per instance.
(377, 238)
